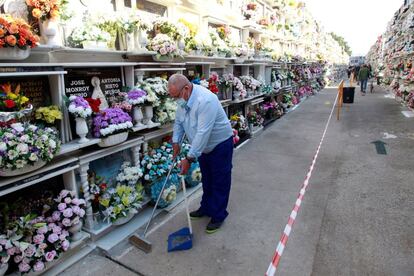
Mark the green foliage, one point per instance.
(341, 41)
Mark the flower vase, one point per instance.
(122, 40)
(3, 269)
(130, 42)
(75, 231)
(143, 39)
(181, 45)
(138, 116)
(148, 115)
(82, 130)
(49, 31)
(227, 93)
(14, 53)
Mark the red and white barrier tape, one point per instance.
(288, 228)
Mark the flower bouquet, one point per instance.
(90, 36)
(25, 147)
(165, 113)
(13, 105)
(136, 97)
(239, 92)
(81, 110)
(241, 52)
(250, 11)
(202, 44)
(193, 177)
(212, 82)
(112, 124)
(254, 119)
(239, 123)
(45, 9)
(48, 114)
(156, 164)
(165, 47)
(226, 85)
(129, 175)
(121, 203)
(16, 38)
(251, 84)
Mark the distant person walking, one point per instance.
(363, 77)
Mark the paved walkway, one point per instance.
(356, 219)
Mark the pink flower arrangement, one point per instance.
(163, 45)
(35, 241)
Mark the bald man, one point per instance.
(202, 118)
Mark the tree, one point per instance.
(341, 41)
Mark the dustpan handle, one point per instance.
(186, 204)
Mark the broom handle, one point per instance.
(162, 189)
(186, 205)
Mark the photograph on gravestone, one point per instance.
(36, 88)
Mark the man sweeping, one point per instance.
(202, 118)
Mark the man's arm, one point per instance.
(206, 120)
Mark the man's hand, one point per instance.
(185, 166)
(176, 150)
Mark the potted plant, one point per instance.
(112, 125)
(26, 147)
(90, 36)
(16, 38)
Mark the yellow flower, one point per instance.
(12, 96)
(125, 200)
(104, 202)
(36, 13)
(24, 100)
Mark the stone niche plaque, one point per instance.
(103, 83)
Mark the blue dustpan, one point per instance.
(183, 238)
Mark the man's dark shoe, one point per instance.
(197, 214)
(213, 227)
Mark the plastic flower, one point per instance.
(79, 107)
(49, 114)
(110, 121)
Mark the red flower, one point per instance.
(94, 104)
(9, 103)
(103, 186)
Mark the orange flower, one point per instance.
(2, 32)
(13, 28)
(21, 42)
(54, 14)
(36, 13)
(2, 42)
(11, 40)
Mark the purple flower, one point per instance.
(57, 230)
(51, 225)
(53, 238)
(76, 201)
(136, 93)
(38, 239)
(56, 215)
(76, 209)
(65, 245)
(3, 241)
(30, 251)
(61, 206)
(82, 213)
(67, 213)
(26, 260)
(68, 200)
(43, 246)
(64, 234)
(18, 258)
(42, 230)
(66, 222)
(23, 267)
(11, 251)
(49, 256)
(39, 266)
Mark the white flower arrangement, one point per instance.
(241, 51)
(203, 41)
(25, 144)
(89, 32)
(250, 82)
(79, 107)
(115, 128)
(129, 174)
(156, 88)
(163, 45)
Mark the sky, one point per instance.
(360, 22)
